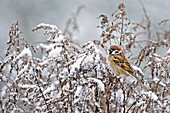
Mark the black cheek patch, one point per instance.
(116, 51)
(110, 51)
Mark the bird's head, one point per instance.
(114, 49)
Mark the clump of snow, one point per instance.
(168, 52)
(50, 27)
(99, 83)
(119, 95)
(91, 45)
(163, 84)
(25, 52)
(23, 70)
(56, 34)
(55, 52)
(77, 94)
(77, 63)
(49, 88)
(48, 47)
(60, 38)
(157, 80)
(149, 63)
(88, 59)
(78, 90)
(151, 95)
(84, 60)
(138, 69)
(26, 86)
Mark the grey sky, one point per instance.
(29, 13)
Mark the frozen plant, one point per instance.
(68, 77)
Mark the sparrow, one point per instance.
(117, 61)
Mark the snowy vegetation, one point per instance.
(59, 75)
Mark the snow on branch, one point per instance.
(99, 83)
(60, 75)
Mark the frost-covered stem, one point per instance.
(96, 94)
(116, 101)
(163, 97)
(2, 109)
(5, 83)
(124, 96)
(124, 106)
(71, 96)
(109, 95)
(121, 37)
(96, 99)
(152, 71)
(107, 102)
(131, 107)
(83, 106)
(37, 71)
(116, 108)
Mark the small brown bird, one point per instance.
(118, 62)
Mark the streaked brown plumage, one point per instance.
(118, 62)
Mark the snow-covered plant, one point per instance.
(67, 77)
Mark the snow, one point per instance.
(76, 100)
(76, 110)
(168, 52)
(44, 62)
(140, 103)
(149, 63)
(158, 59)
(137, 69)
(90, 45)
(100, 67)
(26, 86)
(72, 83)
(158, 81)
(60, 38)
(48, 46)
(78, 62)
(79, 88)
(50, 88)
(25, 52)
(151, 95)
(119, 95)
(163, 84)
(55, 52)
(52, 27)
(87, 60)
(155, 79)
(38, 67)
(53, 49)
(99, 83)
(53, 31)
(23, 70)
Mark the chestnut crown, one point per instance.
(115, 49)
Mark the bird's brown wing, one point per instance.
(121, 60)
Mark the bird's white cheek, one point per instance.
(115, 52)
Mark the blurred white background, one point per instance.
(30, 13)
